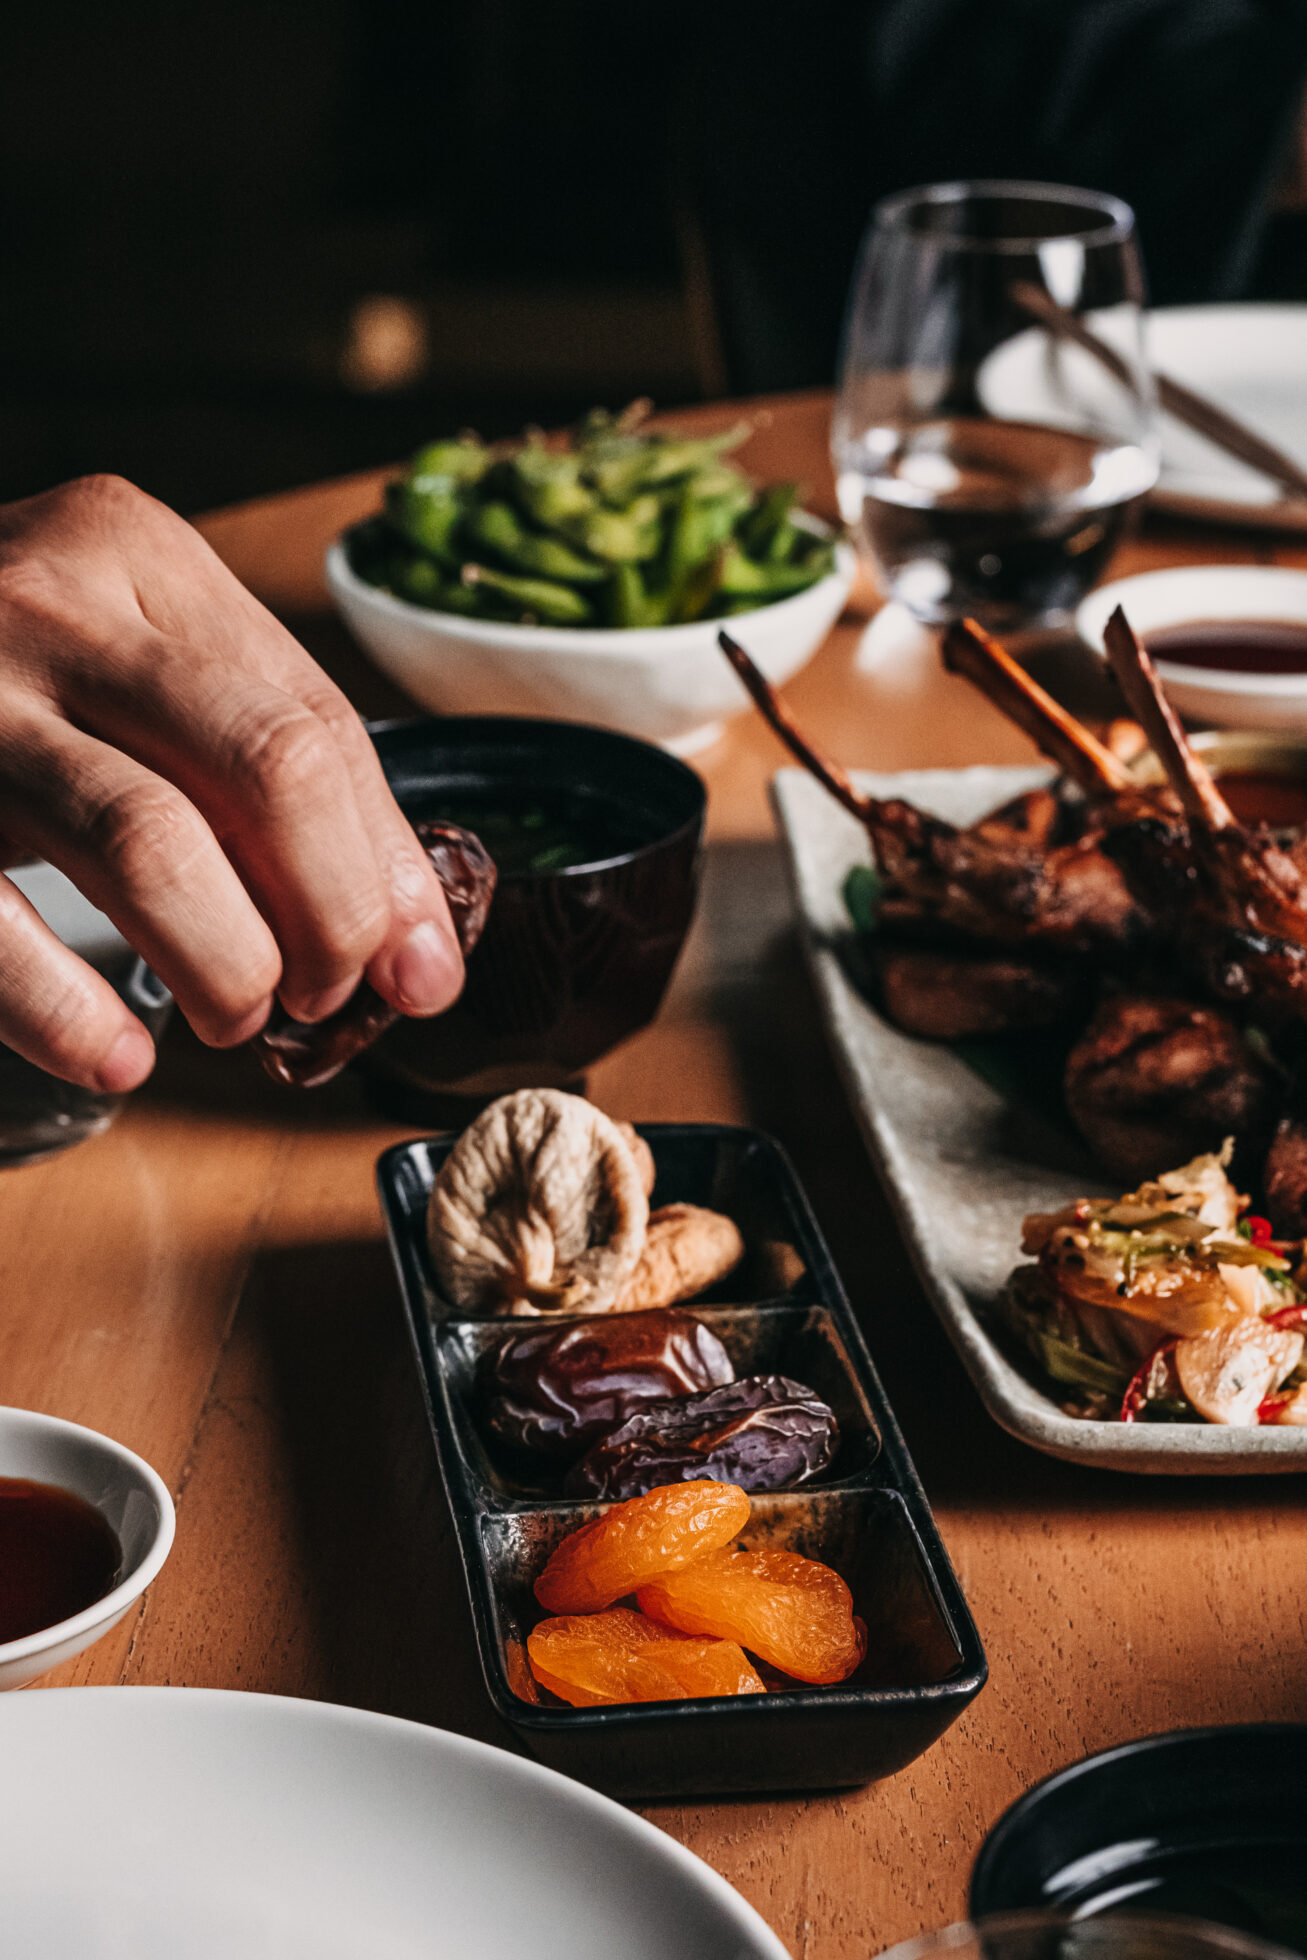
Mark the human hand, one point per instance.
(174, 750)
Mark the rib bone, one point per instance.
(967, 649)
(778, 717)
(1139, 683)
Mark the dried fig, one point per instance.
(685, 1250)
(538, 1208)
(642, 1154)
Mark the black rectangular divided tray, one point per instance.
(784, 1312)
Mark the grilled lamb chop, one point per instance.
(989, 883)
(1153, 1080)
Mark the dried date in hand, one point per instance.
(554, 1390)
(304, 1055)
(762, 1433)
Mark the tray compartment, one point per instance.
(873, 1525)
(695, 1164)
(800, 1342)
(911, 1685)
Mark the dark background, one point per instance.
(243, 245)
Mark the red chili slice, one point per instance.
(1136, 1394)
(1294, 1316)
(1259, 1229)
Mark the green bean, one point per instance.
(498, 527)
(543, 599)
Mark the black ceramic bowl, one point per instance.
(1207, 1822)
(572, 960)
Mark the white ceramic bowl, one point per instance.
(1187, 594)
(123, 1489)
(667, 684)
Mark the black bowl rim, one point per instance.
(998, 1840)
(681, 771)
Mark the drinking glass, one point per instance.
(995, 427)
(39, 1113)
(1111, 1935)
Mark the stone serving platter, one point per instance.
(964, 1160)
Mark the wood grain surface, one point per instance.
(208, 1282)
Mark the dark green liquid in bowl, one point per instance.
(530, 832)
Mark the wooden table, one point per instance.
(208, 1282)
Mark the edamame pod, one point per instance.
(741, 577)
(615, 535)
(461, 461)
(767, 519)
(417, 578)
(628, 527)
(542, 599)
(631, 604)
(549, 487)
(425, 519)
(498, 527)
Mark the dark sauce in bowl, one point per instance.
(1265, 796)
(1233, 646)
(58, 1555)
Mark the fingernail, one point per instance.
(427, 972)
(316, 1007)
(127, 1063)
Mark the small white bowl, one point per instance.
(131, 1496)
(667, 684)
(1187, 594)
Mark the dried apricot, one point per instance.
(792, 1612)
(638, 1541)
(595, 1658)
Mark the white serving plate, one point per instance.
(1252, 361)
(123, 1488)
(1249, 360)
(148, 1823)
(961, 1164)
(667, 684)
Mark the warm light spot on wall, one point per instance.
(386, 345)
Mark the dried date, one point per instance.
(304, 1055)
(554, 1390)
(762, 1433)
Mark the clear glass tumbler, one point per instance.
(39, 1113)
(995, 426)
(1113, 1935)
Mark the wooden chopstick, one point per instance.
(1187, 406)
